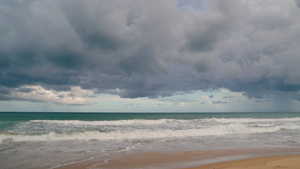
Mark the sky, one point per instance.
(150, 56)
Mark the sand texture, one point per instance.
(271, 162)
(210, 159)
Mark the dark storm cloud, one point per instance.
(91, 24)
(143, 61)
(150, 49)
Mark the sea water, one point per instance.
(48, 140)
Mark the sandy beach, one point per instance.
(269, 162)
(210, 159)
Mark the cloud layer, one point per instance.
(149, 48)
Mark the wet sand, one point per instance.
(270, 162)
(205, 159)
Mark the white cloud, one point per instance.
(238, 94)
(37, 93)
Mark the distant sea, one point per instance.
(47, 140)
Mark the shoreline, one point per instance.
(266, 162)
(202, 159)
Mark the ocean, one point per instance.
(49, 140)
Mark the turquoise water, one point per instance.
(23, 116)
(31, 139)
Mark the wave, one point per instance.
(163, 121)
(104, 123)
(252, 120)
(216, 130)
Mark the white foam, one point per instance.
(252, 120)
(166, 121)
(103, 123)
(232, 128)
(143, 129)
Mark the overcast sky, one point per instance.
(142, 55)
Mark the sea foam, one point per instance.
(104, 123)
(149, 132)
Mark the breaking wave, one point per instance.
(103, 123)
(153, 129)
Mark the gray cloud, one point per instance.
(227, 97)
(297, 3)
(150, 49)
(218, 102)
